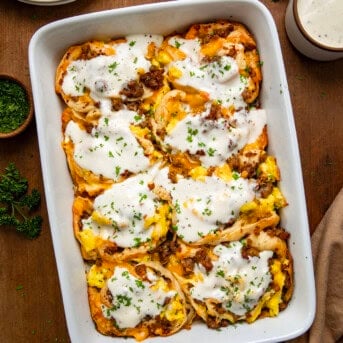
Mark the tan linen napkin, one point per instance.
(327, 250)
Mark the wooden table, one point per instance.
(31, 308)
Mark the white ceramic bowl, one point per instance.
(303, 41)
(45, 51)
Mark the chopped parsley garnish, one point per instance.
(137, 216)
(137, 117)
(139, 284)
(191, 133)
(177, 44)
(206, 212)
(177, 207)
(211, 151)
(142, 197)
(125, 274)
(235, 175)
(112, 67)
(137, 241)
(175, 228)
(220, 273)
(123, 300)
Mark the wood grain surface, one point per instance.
(31, 306)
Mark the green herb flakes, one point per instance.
(14, 105)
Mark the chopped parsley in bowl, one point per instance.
(16, 108)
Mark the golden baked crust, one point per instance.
(86, 103)
(95, 245)
(81, 103)
(173, 314)
(224, 38)
(188, 260)
(86, 181)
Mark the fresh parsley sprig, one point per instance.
(16, 205)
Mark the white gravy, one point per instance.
(323, 20)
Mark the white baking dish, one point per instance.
(45, 51)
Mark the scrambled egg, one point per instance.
(271, 299)
(198, 173)
(269, 169)
(174, 311)
(97, 276)
(279, 280)
(99, 218)
(161, 221)
(224, 172)
(160, 284)
(174, 73)
(88, 240)
(275, 200)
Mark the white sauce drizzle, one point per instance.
(134, 299)
(236, 282)
(219, 78)
(105, 76)
(218, 139)
(111, 147)
(202, 206)
(125, 205)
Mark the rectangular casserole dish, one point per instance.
(45, 51)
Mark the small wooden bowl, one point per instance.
(29, 117)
